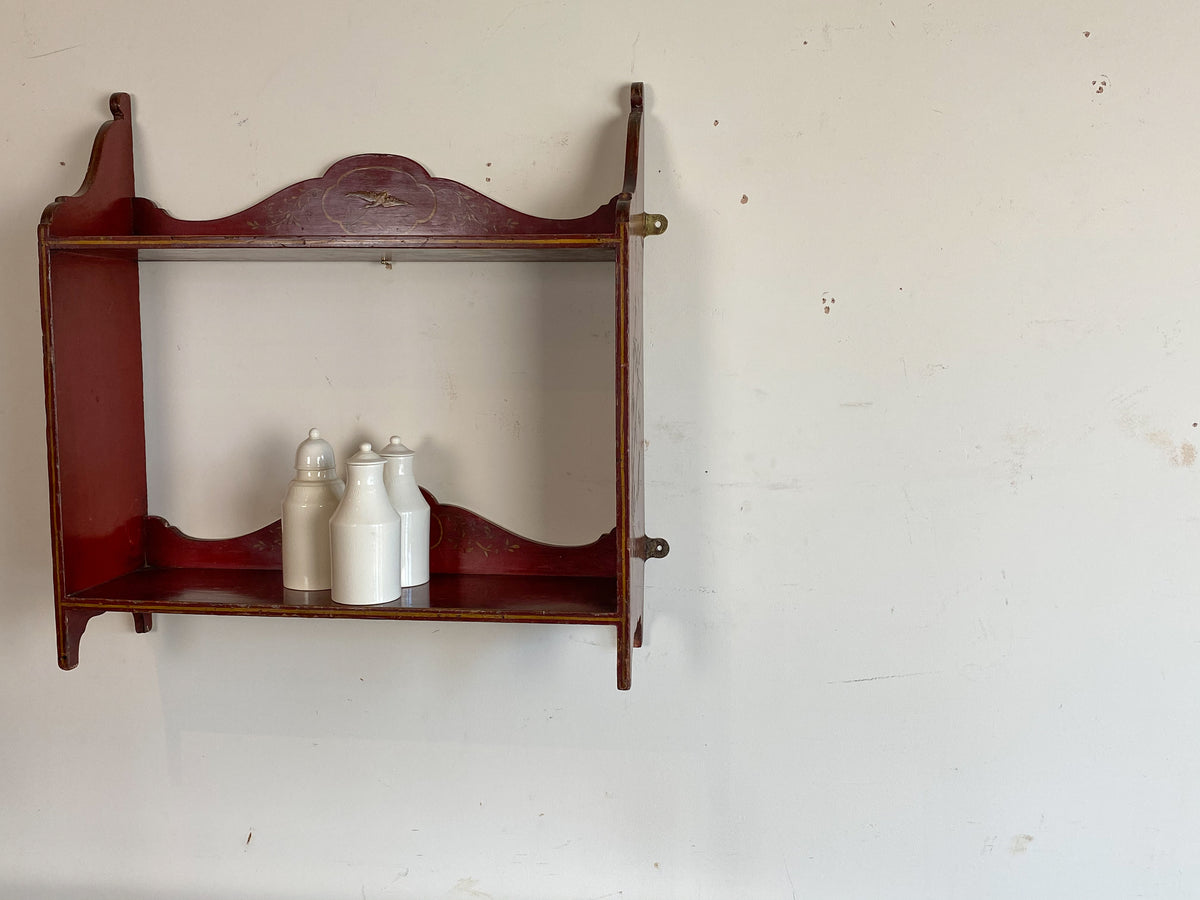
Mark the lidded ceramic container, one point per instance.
(312, 496)
(364, 536)
(406, 498)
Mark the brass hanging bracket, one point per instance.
(648, 224)
(653, 548)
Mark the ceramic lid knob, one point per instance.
(395, 448)
(364, 457)
(314, 454)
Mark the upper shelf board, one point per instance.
(362, 207)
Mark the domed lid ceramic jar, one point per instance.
(314, 459)
(312, 496)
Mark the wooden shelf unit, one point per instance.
(111, 554)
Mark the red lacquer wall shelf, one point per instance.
(110, 554)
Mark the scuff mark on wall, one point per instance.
(54, 52)
(1019, 441)
(880, 677)
(1182, 454)
(470, 887)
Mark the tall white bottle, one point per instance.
(364, 535)
(408, 501)
(312, 496)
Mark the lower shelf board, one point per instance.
(258, 592)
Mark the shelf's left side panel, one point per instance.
(95, 426)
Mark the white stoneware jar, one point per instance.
(364, 535)
(408, 501)
(312, 496)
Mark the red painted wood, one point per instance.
(261, 592)
(375, 194)
(71, 624)
(370, 206)
(345, 248)
(92, 354)
(630, 527)
(168, 547)
(461, 543)
(73, 621)
(95, 416)
(103, 204)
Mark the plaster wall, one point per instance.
(921, 406)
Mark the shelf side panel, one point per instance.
(95, 420)
(630, 525)
(630, 454)
(104, 202)
(375, 195)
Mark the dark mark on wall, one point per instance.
(1087, 34)
(716, 122)
(1100, 84)
(827, 302)
(745, 199)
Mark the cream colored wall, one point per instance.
(921, 394)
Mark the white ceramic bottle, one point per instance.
(312, 496)
(364, 535)
(408, 501)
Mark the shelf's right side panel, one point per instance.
(630, 528)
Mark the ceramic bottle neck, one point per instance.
(365, 475)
